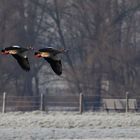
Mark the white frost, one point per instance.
(69, 125)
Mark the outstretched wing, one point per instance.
(23, 62)
(55, 65)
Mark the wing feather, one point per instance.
(55, 65)
(22, 61)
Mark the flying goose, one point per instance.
(17, 52)
(50, 55)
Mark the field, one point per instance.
(38, 125)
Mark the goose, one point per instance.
(17, 52)
(51, 56)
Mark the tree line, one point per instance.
(102, 37)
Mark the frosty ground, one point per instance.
(69, 125)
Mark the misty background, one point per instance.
(102, 36)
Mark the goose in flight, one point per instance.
(51, 56)
(17, 53)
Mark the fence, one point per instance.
(67, 103)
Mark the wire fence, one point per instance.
(79, 103)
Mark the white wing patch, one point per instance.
(25, 56)
(50, 47)
(16, 46)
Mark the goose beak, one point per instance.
(4, 52)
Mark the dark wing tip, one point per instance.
(55, 65)
(26, 68)
(58, 72)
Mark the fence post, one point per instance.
(42, 105)
(4, 103)
(81, 103)
(127, 103)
